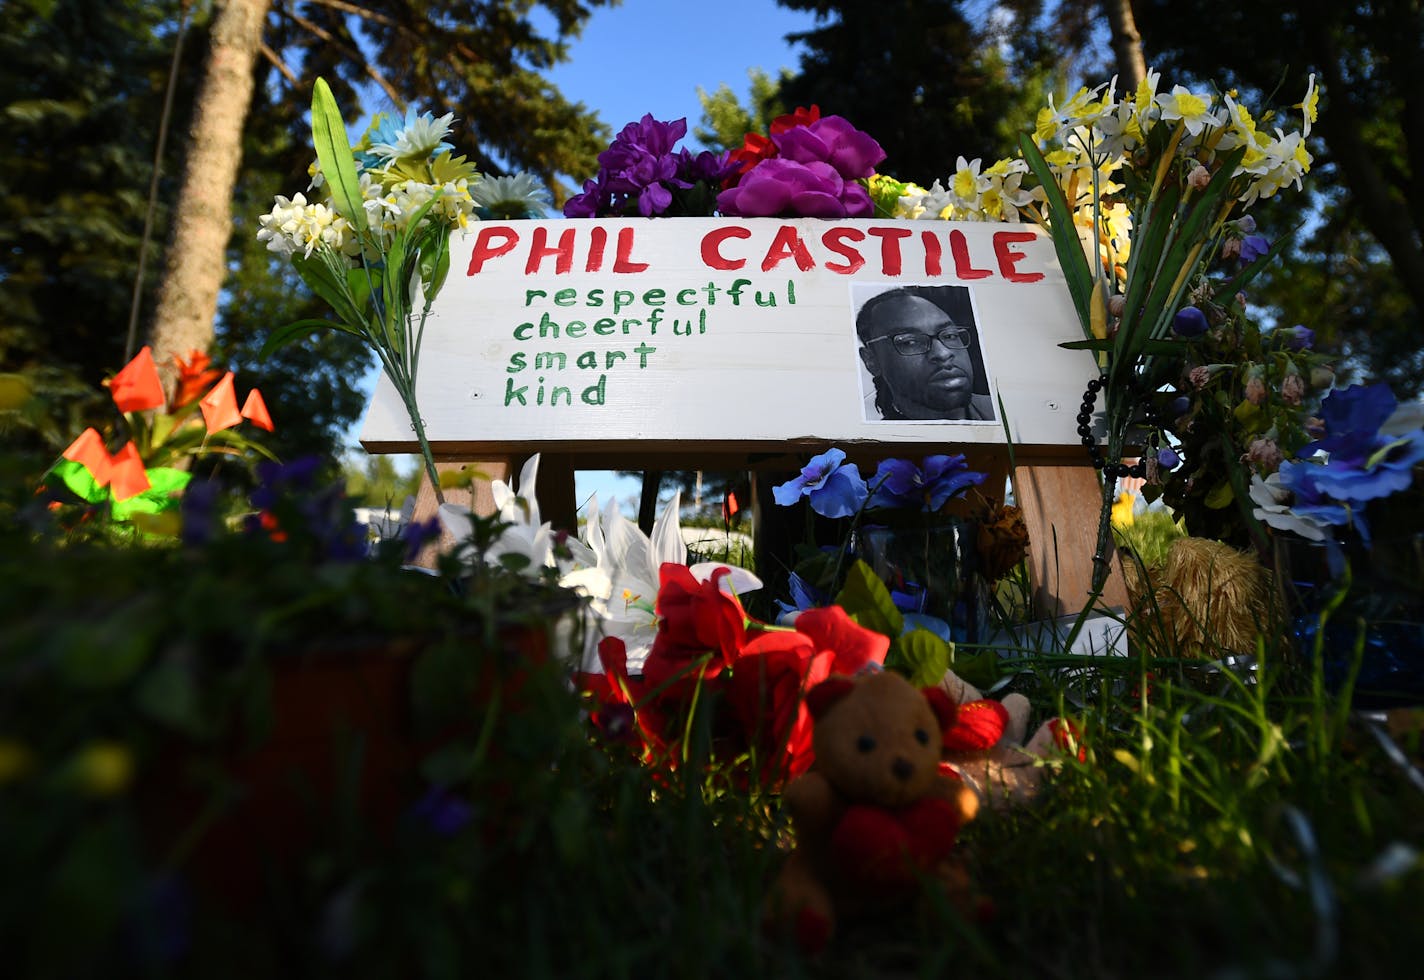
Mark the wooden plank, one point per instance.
(1060, 506)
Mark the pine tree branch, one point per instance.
(356, 56)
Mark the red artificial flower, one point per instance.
(136, 387)
(854, 646)
(624, 713)
(754, 149)
(801, 117)
(767, 693)
(194, 378)
(255, 410)
(219, 406)
(695, 619)
(89, 452)
(126, 476)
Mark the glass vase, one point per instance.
(1352, 604)
(931, 571)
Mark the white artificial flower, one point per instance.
(420, 137)
(1185, 106)
(1273, 506)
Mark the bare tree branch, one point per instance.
(281, 66)
(350, 52)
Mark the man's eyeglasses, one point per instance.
(914, 343)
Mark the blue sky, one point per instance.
(651, 56)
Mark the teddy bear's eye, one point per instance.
(865, 743)
(922, 736)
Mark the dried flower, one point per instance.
(1265, 455)
(1292, 389)
(1002, 541)
(1255, 390)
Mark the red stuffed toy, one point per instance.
(876, 817)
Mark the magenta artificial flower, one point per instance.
(832, 140)
(785, 188)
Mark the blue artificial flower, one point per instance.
(1253, 247)
(1167, 458)
(833, 486)
(804, 596)
(1387, 470)
(900, 483)
(1189, 322)
(1352, 418)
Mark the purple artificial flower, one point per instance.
(785, 188)
(1298, 337)
(832, 140)
(713, 168)
(589, 203)
(1189, 322)
(900, 483)
(833, 486)
(1167, 458)
(1179, 406)
(1253, 247)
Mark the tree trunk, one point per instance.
(196, 264)
(1126, 44)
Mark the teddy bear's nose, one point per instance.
(902, 768)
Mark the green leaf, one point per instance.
(332, 283)
(1065, 234)
(300, 328)
(924, 657)
(1221, 496)
(165, 485)
(333, 150)
(1095, 344)
(79, 480)
(866, 600)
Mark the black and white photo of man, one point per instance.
(920, 346)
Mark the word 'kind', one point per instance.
(844, 249)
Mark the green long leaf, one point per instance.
(322, 276)
(333, 150)
(287, 333)
(1065, 234)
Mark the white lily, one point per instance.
(623, 585)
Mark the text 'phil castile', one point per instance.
(890, 250)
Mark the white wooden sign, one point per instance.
(625, 333)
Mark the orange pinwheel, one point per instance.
(89, 452)
(219, 406)
(127, 477)
(255, 410)
(137, 387)
(194, 377)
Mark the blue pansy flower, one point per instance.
(900, 483)
(832, 486)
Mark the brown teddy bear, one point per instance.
(985, 745)
(875, 816)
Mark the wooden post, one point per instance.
(1060, 507)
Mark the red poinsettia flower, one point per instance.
(701, 630)
(195, 377)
